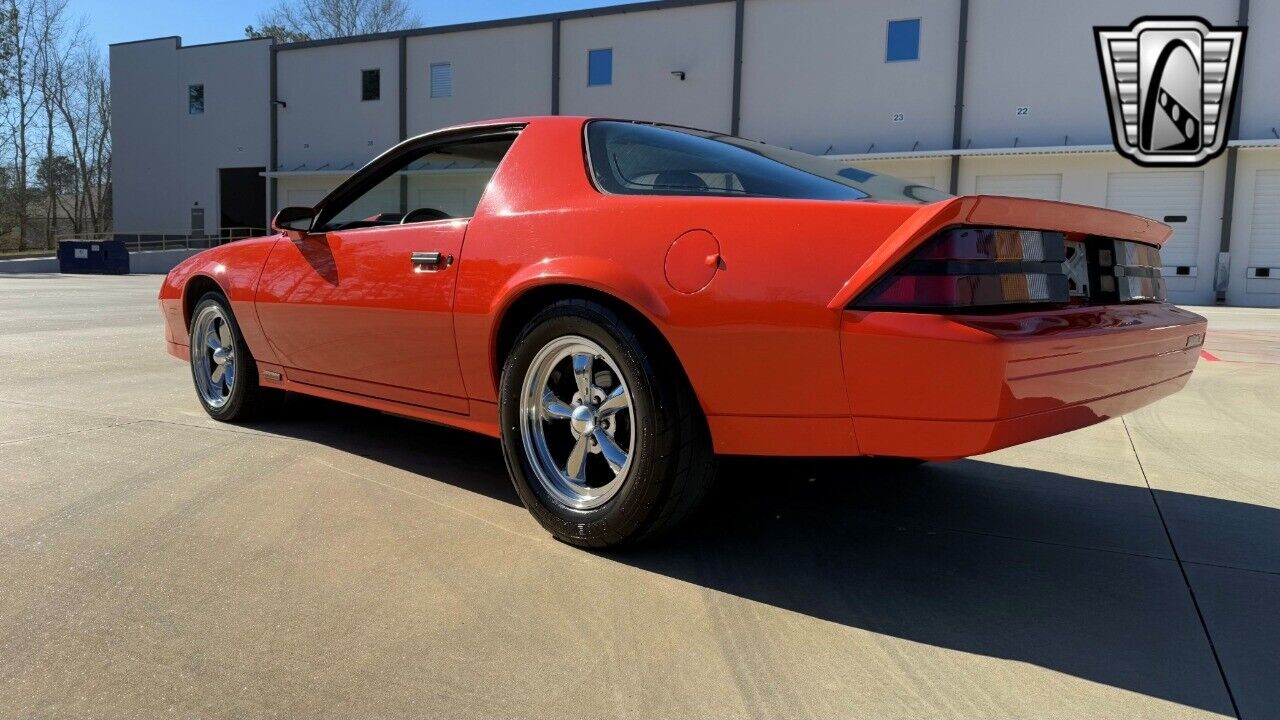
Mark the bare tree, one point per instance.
(49, 55)
(8, 32)
(55, 120)
(21, 106)
(296, 20)
(8, 29)
(82, 96)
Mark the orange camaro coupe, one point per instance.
(620, 302)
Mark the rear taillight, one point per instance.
(1136, 270)
(968, 268)
(976, 267)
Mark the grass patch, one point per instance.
(19, 254)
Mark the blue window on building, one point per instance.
(600, 67)
(903, 41)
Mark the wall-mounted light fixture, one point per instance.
(283, 105)
(679, 74)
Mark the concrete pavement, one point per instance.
(337, 562)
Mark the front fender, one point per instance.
(233, 269)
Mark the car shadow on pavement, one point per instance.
(466, 460)
(1066, 573)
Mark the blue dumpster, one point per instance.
(104, 257)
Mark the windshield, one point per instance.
(630, 158)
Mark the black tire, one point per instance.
(245, 399)
(672, 463)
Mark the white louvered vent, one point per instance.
(441, 80)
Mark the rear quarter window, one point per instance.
(629, 158)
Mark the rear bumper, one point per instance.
(951, 439)
(938, 386)
(949, 386)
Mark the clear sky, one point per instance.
(202, 21)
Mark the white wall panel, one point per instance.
(326, 124)
(1041, 56)
(647, 47)
(1260, 112)
(165, 161)
(501, 72)
(814, 75)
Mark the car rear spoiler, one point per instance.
(993, 211)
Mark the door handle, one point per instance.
(434, 259)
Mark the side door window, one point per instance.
(442, 182)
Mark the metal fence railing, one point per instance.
(142, 241)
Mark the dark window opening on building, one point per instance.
(242, 200)
(195, 99)
(370, 84)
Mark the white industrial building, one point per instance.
(971, 96)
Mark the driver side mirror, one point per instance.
(294, 221)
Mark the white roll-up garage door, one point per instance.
(929, 181)
(1264, 238)
(303, 198)
(1172, 197)
(1040, 187)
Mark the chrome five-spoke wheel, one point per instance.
(603, 438)
(577, 422)
(215, 356)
